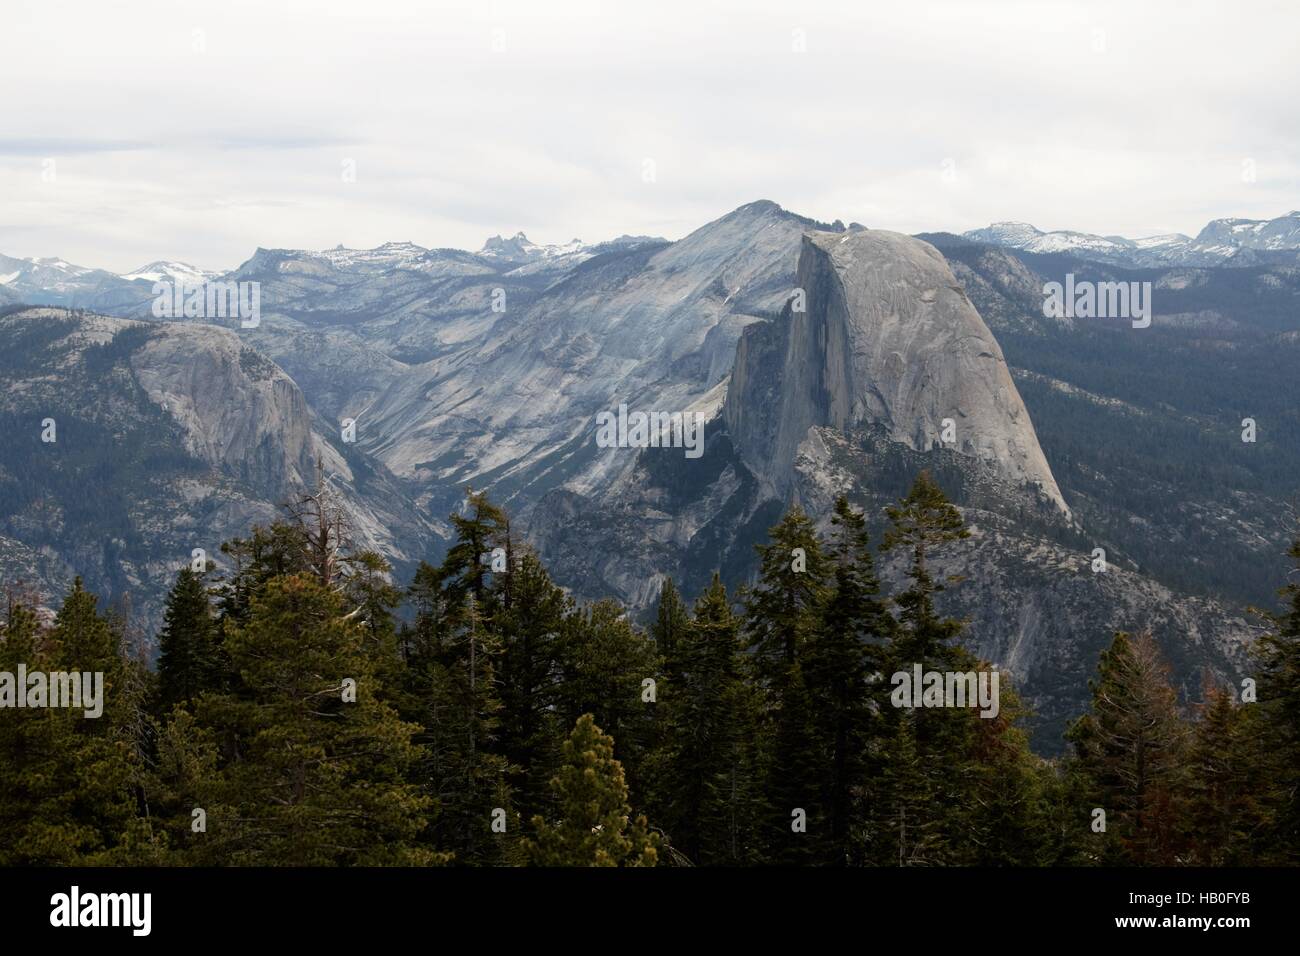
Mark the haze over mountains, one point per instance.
(488, 368)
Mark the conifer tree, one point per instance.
(371, 596)
(187, 653)
(82, 637)
(793, 788)
(1227, 811)
(842, 662)
(1003, 820)
(1065, 814)
(782, 614)
(592, 824)
(322, 760)
(671, 620)
(467, 710)
(34, 801)
(905, 829)
(452, 688)
(424, 639)
(1279, 719)
(70, 797)
(783, 607)
(921, 522)
(268, 552)
(467, 569)
(704, 782)
(1131, 747)
(21, 640)
(466, 772)
(323, 530)
(181, 791)
(531, 626)
(603, 664)
(935, 746)
(668, 633)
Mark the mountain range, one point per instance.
(822, 359)
(1223, 242)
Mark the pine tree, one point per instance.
(593, 825)
(840, 663)
(70, 798)
(319, 778)
(531, 625)
(671, 620)
(603, 664)
(782, 610)
(323, 530)
(936, 746)
(905, 829)
(466, 711)
(1004, 818)
(370, 594)
(452, 688)
(704, 781)
(34, 801)
(1226, 813)
(1131, 748)
(792, 788)
(466, 569)
(425, 638)
(1279, 718)
(187, 654)
(782, 613)
(451, 692)
(668, 633)
(271, 552)
(921, 522)
(1065, 816)
(184, 778)
(83, 638)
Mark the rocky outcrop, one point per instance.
(166, 437)
(878, 331)
(654, 327)
(240, 412)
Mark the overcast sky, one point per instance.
(135, 131)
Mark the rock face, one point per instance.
(1024, 583)
(654, 327)
(167, 437)
(240, 412)
(883, 335)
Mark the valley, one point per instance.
(819, 359)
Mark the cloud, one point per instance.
(271, 140)
(68, 146)
(201, 132)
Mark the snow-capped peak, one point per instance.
(50, 273)
(1021, 235)
(1220, 241)
(170, 271)
(520, 249)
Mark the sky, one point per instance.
(199, 131)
